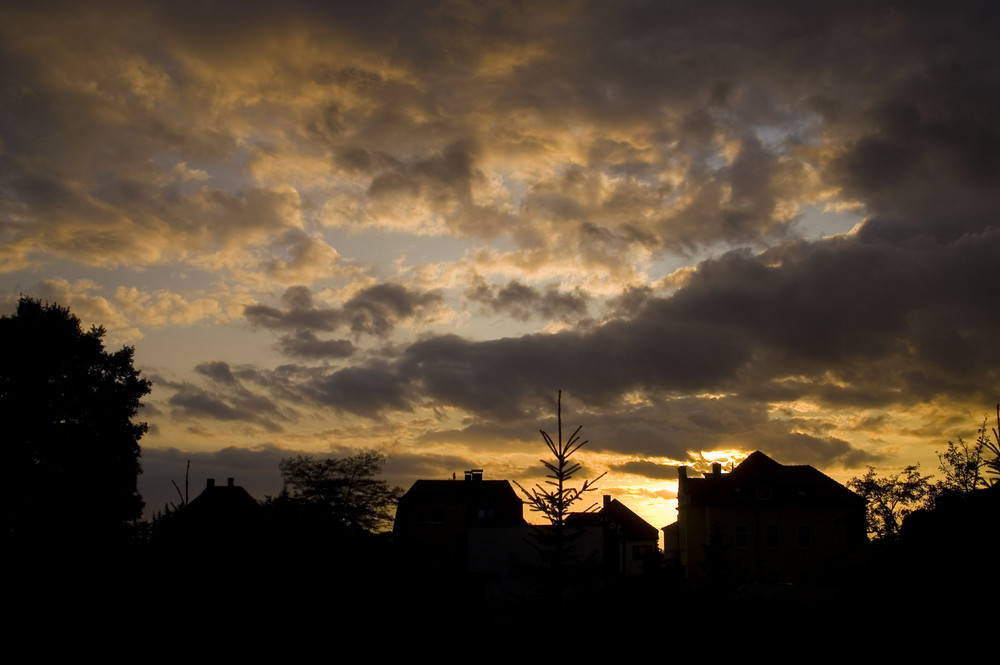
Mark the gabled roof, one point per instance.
(460, 492)
(614, 511)
(760, 477)
(223, 500)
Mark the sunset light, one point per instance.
(717, 228)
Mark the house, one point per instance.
(229, 502)
(626, 542)
(434, 517)
(474, 529)
(221, 516)
(765, 522)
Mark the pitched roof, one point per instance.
(460, 491)
(632, 526)
(223, 500)
(759, 476)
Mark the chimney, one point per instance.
(716, 470)
(607, 500)
(229, 482)
(211, 483)
(474, 475)
(682, 472)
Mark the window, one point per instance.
(763, 492)
(740, 537)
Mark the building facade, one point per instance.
(766, 522)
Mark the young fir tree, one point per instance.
(554, 500)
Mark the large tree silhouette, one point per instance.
(70, 448)
(890, 499)
(346, 492)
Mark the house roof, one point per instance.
(223, 501)
(614, 511)
(461, 492)
(759, 477)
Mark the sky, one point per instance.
(717, 227)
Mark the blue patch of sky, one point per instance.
(381, 248)
(815, 224)
(226, 173)
(174, 277)
(516, 188)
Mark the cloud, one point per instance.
(363, 390)
(164, 307)
(227, 400)
(844, 322)
(309, 258)
(557, 101)
(599, 149)
(648, 470)
(128, 312)
(217, 371)
(524, 302)
(305, 344)
(375, 310)
(91, 309)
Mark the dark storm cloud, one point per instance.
(428, 465)
(508, 377)
(194, 402)
(441, 177)
(443, 183)
(647, 469)
(217, 371)
(631, 104)
(582, 132)
(524, 302)
(374, 311)
(363, 390)
(845, 321)
(305, 344)
(675, 427)
(936, 169)
(877, 317)
(799, 448)
(92, 165)
(227, 400)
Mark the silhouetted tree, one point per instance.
(890, 499)
(556, 497)
(347, 491)
(991, 452)
(963, 465)
(70, 446)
